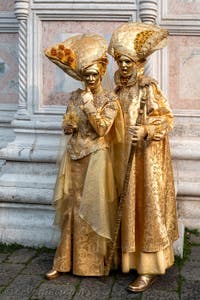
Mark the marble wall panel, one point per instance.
(6, 5)
(56, 84)
(183, 7)
(184, 72)
(8, 68)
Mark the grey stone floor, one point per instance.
(22, 277)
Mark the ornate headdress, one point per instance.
(137, 40)
(79, 52)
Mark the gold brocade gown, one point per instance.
(85, 196)
(149, 220)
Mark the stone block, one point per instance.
(178, 244)
(21, 288)
(195, 239)
(21, 256)
(3, 257)
(160, 295)
(28, 224)
(167, 282)
(194, 257)
(67, 278)
(191, 290)
(94, 288)
(191, 271)
(40, 265)
(51, 291)
(119, 290)
(8, 272)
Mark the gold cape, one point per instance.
(149, 220)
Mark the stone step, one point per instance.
(185, 148)
(27, 181)
(27, 224)
(26, 195)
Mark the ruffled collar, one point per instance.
(121, 82)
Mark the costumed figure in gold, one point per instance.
(149, 220)
(85, 195)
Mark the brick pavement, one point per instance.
(22, 278)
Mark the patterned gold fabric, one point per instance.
(149, 222)
(85, 195)
(94, 120)
(149, 262)
(80, 248)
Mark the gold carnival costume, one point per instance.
(149, 221)
(85, 195)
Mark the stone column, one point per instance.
(148, 10)
(21, 12)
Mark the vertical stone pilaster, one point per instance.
(21, 12)
(148, 10)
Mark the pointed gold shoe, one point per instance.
(142, 283)
(52, 274)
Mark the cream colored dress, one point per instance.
(149, 221)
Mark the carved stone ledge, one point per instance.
(27, 224)
(35, 142)
(148, 10)
(22, 9)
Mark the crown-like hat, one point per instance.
(79, 52)
(137, 40)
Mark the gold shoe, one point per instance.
(52, 274)
(142, 283)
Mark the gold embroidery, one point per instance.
(149, 220)
(89, 136)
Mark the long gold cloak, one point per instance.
(149, 221)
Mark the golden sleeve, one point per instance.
(70, 118)
(159, 118)
(102, 118)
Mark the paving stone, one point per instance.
(160, 295)
(94, 288)
(194, 256)
(26, 283)
(40, 265)
(21, 288)
(66, 278)
(168, 282)
(191, 268)
(9, 272)
(3, 257)
(21, 256)
(195, 239)
(190, 271)
(119, 290)
(190, 290)
(51, 291)
(127, 296)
